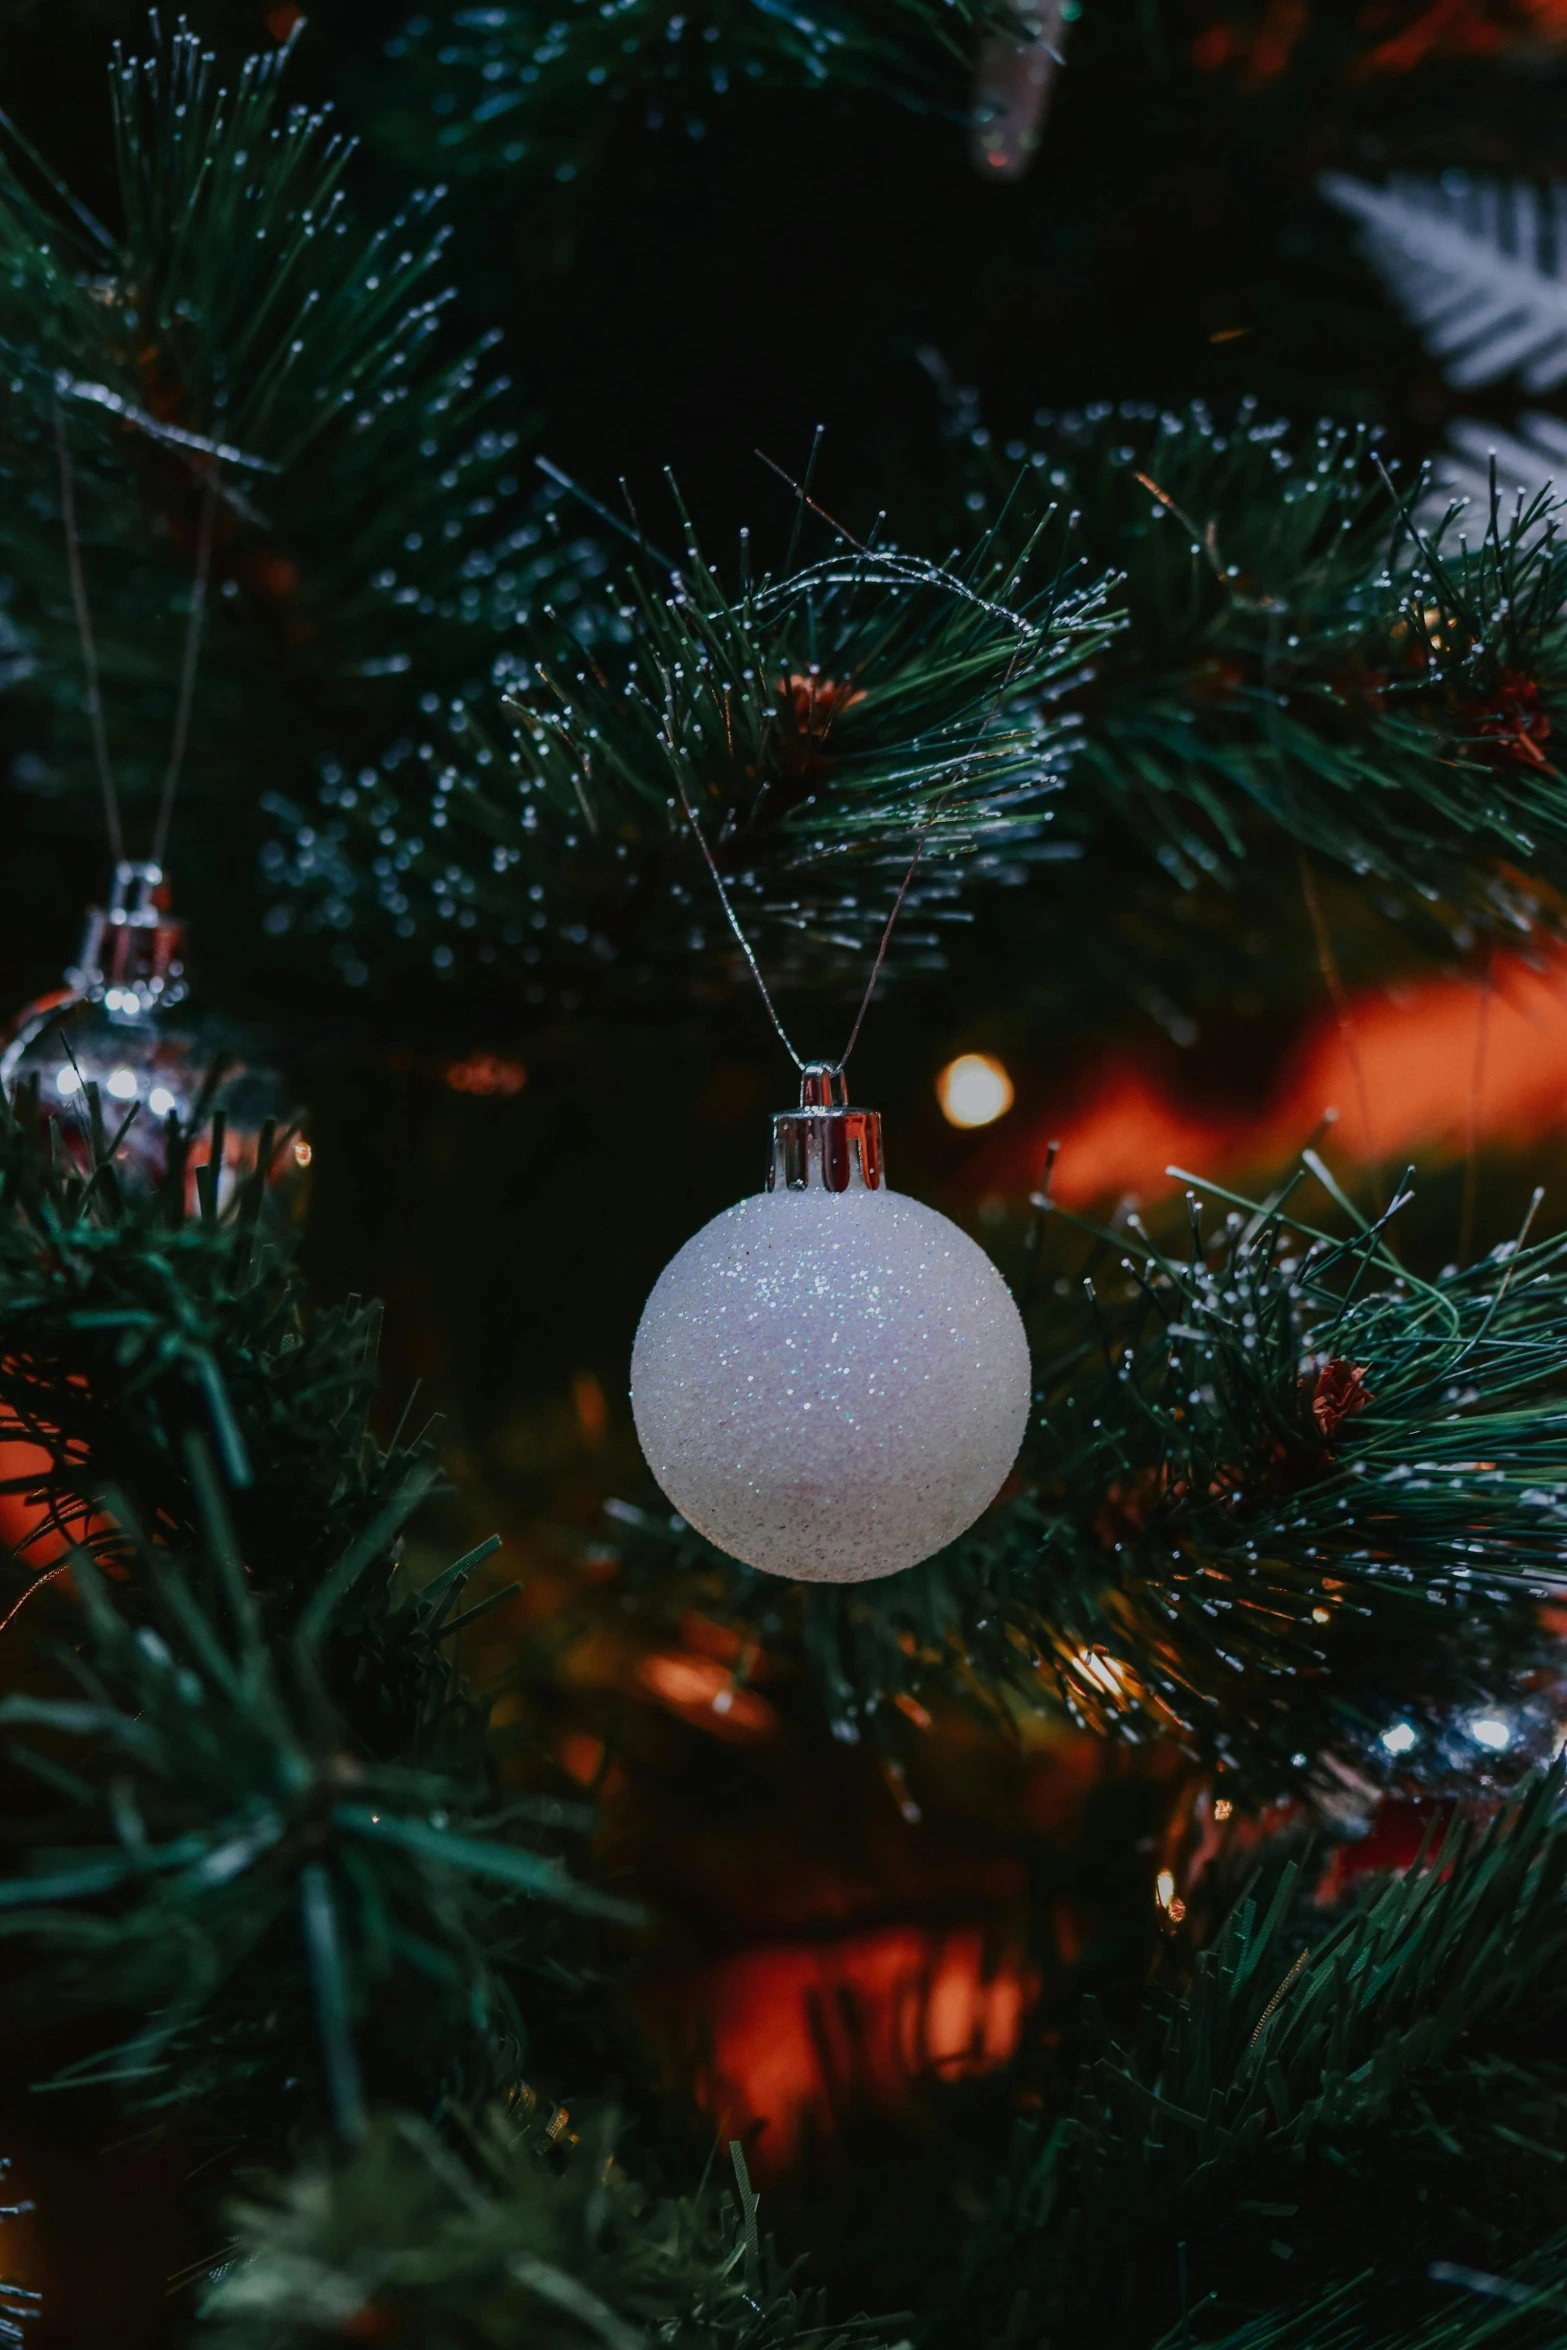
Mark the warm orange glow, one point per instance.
(591, 1406)
(711, 1639)
(20, 1514)
(974, 1090)
(1415, 1075)
(1107, 1673)
(798, 2032)
(24, 1520)
(705, 1693)
(581, 1756)
(303, 1154)
(486, 1074)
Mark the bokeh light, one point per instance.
(974, 1090)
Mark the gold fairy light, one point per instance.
(974, 1090)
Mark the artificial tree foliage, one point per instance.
(1281, 1496)
(267, 1808)
(301, 1877)
(516, 2221)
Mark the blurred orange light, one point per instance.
(797, 2031)
(706, 1694)
(1107, 1673)
(581, 1756)
(591, 1405)
(974, 1090)
(486, 1074)
(1420, 1072)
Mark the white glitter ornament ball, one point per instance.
(830, 1381)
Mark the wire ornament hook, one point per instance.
(961, 765)
(113, 821)
(837, 1067)
(94, 703)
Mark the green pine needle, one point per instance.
(820, 723)
(269, 1819)
(1300, 660)
(490, 2235)
(1382, 2093)
(235, 304)
(537, 88)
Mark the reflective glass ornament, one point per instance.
(122, 1022)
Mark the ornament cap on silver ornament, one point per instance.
(830, 1381)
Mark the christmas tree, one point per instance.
(558, 569)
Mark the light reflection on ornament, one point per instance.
(122, 1084)
(974, 1090)
(1106, 1672)
(65, 1083)
(1400, 1738)
(1486, 1730)
(161, 1102)
(1166, 1897)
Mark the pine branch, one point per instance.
(237, 306)
(273, 1833)
(1526, 462)
(1520, 2311)
(1283, 664)
(819, 720)
(18, 2303)
(1281, 1498)
(137, 1319)
(1297, 664)
(228, 1862)
(496, 2239)
(1474, 264)
(527, 86)
(1384, 2093)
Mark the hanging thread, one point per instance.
(97, 724)
(198, 607)
(94, 705)
(749, 951)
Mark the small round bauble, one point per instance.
(830, 1384)
(122, 1023)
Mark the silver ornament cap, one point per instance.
(824, 1142)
